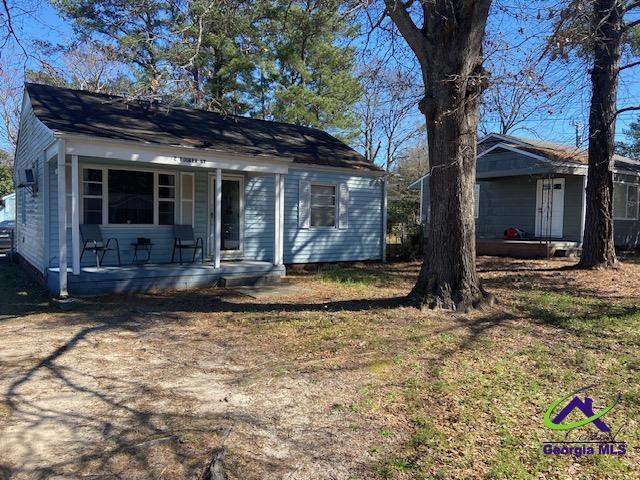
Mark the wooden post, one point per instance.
(75, 215)
(62, 219)
(217, 219)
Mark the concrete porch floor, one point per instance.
(155, 277)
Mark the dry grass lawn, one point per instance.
(342, 381)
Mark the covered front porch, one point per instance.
(135, 193)
(156, 277)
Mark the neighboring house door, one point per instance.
(550, 207)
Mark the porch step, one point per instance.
(230, 281)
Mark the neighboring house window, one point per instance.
(323, 205)
(187, 191)
(130, 197)
(92, 188)
(625, 201)
(476, 200)
(166, 198)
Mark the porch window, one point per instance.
(625, 201)
(92, 196)
(130, 197)
(187, 196)
(323, 205)
(166, 198)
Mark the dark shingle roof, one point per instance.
(107, 116)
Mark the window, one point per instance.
(166, 198)
(92, 196)
(476, 200)
(625, 201)
(130, 197)
(187, 194)
(323, 205)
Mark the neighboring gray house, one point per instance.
(260, 194)
(539, 187)
(8, 207)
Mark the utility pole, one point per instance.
(577, 126)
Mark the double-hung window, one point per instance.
(625, 201)
(323, 205)
(166, 198)
(92, 191)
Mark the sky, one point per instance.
(513, 22)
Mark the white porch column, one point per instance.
(62, 218)
(384, 219)
(583, 213)
(278, 240)
(217, 230)
(75, 215)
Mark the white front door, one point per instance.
(550, 207)
(232, 218)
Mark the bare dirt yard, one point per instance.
(341, 381)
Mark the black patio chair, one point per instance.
(184, 238)
(92, 241)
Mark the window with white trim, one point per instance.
(128, 197)
(187, 194)
(625, 201)
(323, 205)
(166, 198)
(92, 191)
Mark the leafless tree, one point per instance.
(11, 94)
(388, 113)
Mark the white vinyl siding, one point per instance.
(34, 137)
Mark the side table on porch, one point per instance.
(142, 244)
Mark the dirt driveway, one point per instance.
(318, 385)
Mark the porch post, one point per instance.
(278, 244)
(62, 218)
(583, 213)
(384, 219)
(217, 230)
(75, 215)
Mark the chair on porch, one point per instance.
(92, 241)
(184, 238)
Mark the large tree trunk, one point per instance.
(448, 277)
(597, 249)
(449, 49)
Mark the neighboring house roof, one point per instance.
(557, 152)
(549, 151)
(112, 117)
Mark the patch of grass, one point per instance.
(354, 277)
(21, 295)
(582, 315)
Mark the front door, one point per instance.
(550, 208)
(232, 215)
